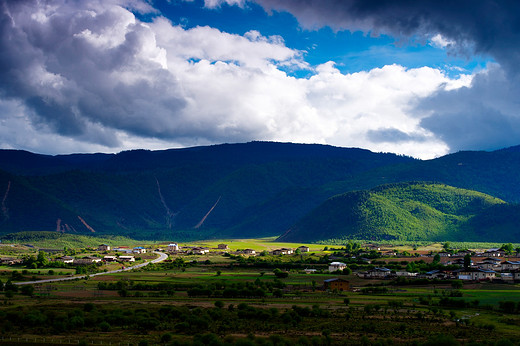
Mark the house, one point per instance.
(282, 251)
(65, 259)
(94, 259)
(139, 250)
(516, 275)
(223, 247)
(109, 258)
(124, 249)
(127, 258)
(104, 247)
(489, 263)
(10, 261)
(377, 273)
(509, 265)
(390, 253)
(438, 274)
(495, 253)
(199, 251)
(404, 273)
(309, 271)
(82, 261)
(475, 274)
(336, 284)
(173, 247)
(249, 252)
(337, 266)
(372, 247)
(444, 254)
(303, 248)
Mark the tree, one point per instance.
(436, 258)
(508, 248)
(9, 286)
(1, 286)
(27, 290)
(446, 246)
(166, 338)
(467, 260)
(41, 260)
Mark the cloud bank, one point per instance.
(90, 76)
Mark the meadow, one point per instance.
(230, 299)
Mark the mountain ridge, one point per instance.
(263, 188)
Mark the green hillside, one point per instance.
(409, 211)
(262, 188)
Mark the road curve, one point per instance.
(162, 257)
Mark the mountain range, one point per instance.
(231, 190)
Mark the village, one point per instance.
(497, 264)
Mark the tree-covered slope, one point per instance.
(407, 211)
(166, 194)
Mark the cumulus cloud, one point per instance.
(483, 115)
(90, 76)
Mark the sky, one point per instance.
(417, 78)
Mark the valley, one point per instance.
(242, 291)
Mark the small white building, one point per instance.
(65, 259)
(309, 271)
(199, 251)
(223, 247)
(337, 266)
(173, 247)
(249, 252)
(139, 250)
(476, 274)
(109, 258)
(304, 248)
(127, 258)
(104, 247)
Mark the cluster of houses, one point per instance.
(175, 248)
(488, 269)
(127, 257)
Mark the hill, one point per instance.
(243, 190)
(169, 194)
(409, 211)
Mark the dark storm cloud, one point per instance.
(83, 67)
(487, 26)
(484, 116)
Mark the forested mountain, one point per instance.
(409, 211)
(230, 190)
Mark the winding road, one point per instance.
(162, 257)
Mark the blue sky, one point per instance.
(351, 51)
(416, 78)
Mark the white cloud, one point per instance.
(441, 42)
(89, 76)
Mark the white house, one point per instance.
(173, 247)
(337, 266)
(127, 258)
(139, 250)
(65, 259)
(199, 251)
(104, 247)
(476, 274)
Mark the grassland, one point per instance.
(218, 299)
